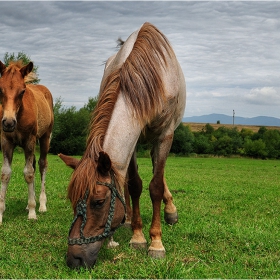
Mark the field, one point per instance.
(199, 126)
(228, 224)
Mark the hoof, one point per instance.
(112, 244)
(138, 245)
(43, 209)
(138, 241)
(156, 250)
(156, 254)
(32, 216)
(171, 218)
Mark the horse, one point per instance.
(142, 93)
(26, 113)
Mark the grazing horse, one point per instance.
(26, 112)
(142, 92)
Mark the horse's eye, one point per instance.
(97, 203)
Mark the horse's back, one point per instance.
(176, 91)
(116, 60)
(174, 86)
(41, 89)
(174, 106)
(44, 103)
(172, 94)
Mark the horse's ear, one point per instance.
(104, 163)
(25, 70)
(70, 161)
(2, 68)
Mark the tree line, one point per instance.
(227, 142)
(71, 130)
(71, 127)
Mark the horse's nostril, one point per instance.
(8, 125)
(75, 262)
(80, 262)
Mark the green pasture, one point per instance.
(229, 224)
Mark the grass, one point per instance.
(228, 224)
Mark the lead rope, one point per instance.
(81, 211)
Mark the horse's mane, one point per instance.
(15, 65)
(139, 80)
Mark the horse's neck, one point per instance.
(121, 136)
(123, 132)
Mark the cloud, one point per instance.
(264, 96)
(228, 50)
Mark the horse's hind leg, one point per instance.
(43, 164)
(170, 211)
(157, 188)
(135, 189)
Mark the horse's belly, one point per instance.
(44, 118)
(44, 121)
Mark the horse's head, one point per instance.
(97, 212)
(12, 89)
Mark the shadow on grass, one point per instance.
(15, 209)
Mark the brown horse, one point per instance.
(27, 115)
(142, 92)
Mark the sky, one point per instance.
(229, 50)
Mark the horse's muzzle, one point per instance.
(84, 255)
(8, 124)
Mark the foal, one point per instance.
(26, 112)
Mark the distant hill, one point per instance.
(224, 119)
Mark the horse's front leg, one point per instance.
(43, 197)
(128, 216)
(157, 188)
(134, 184)
(29, 176)
(6, 171)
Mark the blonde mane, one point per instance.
(15, 65)
(139, 80)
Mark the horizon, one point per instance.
(236, 120)
(236, 116)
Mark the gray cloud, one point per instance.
(229, 51)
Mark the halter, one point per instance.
(82, 211)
